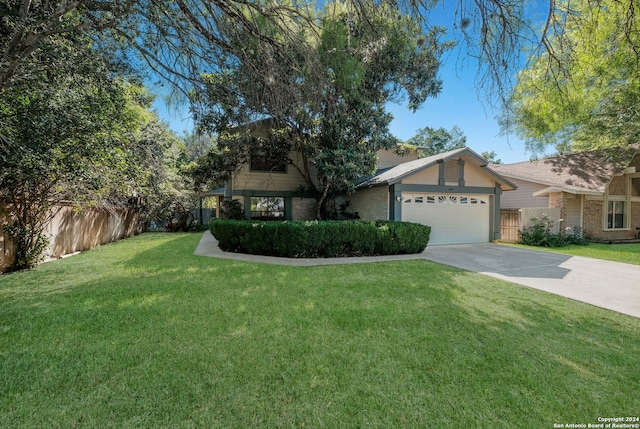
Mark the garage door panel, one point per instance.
(453, 219)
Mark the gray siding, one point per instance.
(523, 196)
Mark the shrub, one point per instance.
(320, 239)
(231, 209)
(539, 234)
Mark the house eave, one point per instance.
(464, 153)
(555, 189)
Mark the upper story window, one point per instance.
(263, 163)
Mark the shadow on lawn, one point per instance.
(390, 344)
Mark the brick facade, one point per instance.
(370, 204)
(593, 222)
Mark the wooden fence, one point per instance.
(71, 231)
(509, 225)
(512, 221)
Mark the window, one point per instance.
(431, 199)
(453, 200)
(616, 218)
(442, 199)
(263, 163)
(267, 208)
(419, 200)
(464, 200)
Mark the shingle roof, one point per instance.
(579, 172)
(394, 174)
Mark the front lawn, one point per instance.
(141, 333)
(626, 253)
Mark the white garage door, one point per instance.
(454, 219)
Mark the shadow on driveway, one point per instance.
(611, 285)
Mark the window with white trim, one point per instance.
(616, 207)
(617, 217)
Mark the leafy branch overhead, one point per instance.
(583, 92)
(330, 93)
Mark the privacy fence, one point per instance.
(71, 231)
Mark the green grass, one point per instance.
(626, 253)
(141, 333)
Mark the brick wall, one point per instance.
(556, 200)
(371, 204)
(593, 222)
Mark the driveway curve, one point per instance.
(611, 285)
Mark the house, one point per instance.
(596, 194)
(453, 192)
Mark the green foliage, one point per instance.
(491, 157)
(81, 133)
(539, 234)
(432, 141)
(584, 92)
(329, 90)
(231, 209)
(30, 244)
(320, 239)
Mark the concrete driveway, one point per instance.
(605, 284)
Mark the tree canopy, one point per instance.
(432, 141)
(584, 92)
(334, 113)
(77, 131)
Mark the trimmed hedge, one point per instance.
(320, 239)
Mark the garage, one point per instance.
(454, 192)
(454, 219)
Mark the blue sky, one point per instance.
(460, 104)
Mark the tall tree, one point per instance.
(432, 141)
(584, 93)
(71, 133)
(329, 96)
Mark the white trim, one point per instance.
(594, 197)
(626, 199)
(552, 189)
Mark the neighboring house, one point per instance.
(453, 192)
(595, 194)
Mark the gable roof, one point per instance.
(578, 173)
(392, 175)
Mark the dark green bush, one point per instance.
(320, 239)
(539, 234)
